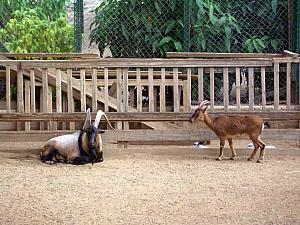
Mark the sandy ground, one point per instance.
(152, 185)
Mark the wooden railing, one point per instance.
(120, 86)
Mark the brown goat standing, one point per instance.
(226, 127)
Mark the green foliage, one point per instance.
(136, 28)
(27, 32)
(150, 28)
(46, 9)
(256, 44)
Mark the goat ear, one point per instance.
(88, 119)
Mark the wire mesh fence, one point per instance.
(151, 28)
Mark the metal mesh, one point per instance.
(151, 28)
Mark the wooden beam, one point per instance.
(220, 55)
(140, 62)
(158, 136)
(140, 117)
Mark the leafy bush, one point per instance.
(27, 32)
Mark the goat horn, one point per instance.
(100, 113)
(88, 119)
(203, 103)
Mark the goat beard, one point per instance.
(92, 155)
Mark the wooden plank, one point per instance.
(27, 103)
(188, 99)
(263, 88)
(276, 86)
(82, 91)
(125, 96)
(133, 82)
(251, 88)
(225, 89)
(158, 136)
(212, 88)
(49, 107)
(8, 97)
(32, 91)
(45, 89)
(119, 95)
(141, 62)
(175, 90)
(139, 97)
(70, 96)
(106, 108)
(238, 88)
(140, 117)
(200, 85)
(150, 90)
(58, 91)
(95, 90)
(162, 99)
(20, 103)
(288, 86)
(220, 55)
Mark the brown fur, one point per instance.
(227, 127)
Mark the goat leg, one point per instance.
(233, 153)
(222, 143)
(262, 151)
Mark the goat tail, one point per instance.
(267, 124)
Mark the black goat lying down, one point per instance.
(84, 146)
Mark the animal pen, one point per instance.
(148, 100)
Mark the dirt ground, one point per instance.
(151, 185)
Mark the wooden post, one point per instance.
(64, 109)
(150, 90)
(20, 103)
(49, 107)
(175, 90)
(58, 91)
(276, 86)
(263, 88)
(119, 96)
(95, 90)
(8, 98)
(106, 107)
(162, 96)
(200, 84)
(42, 124)
(225, 89)
(288, 86)
(238, 88)
(212, 88)
(27, 103)
(45, 89)
(125, 96)
(139, 96)
(32, 91)
(251, 88)
(70, 96)
(82, 91)
(189, 89)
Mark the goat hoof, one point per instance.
(250, 159)
(231, 158)
(219, 159)
(259, 161)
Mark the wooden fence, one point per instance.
(153, 92)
